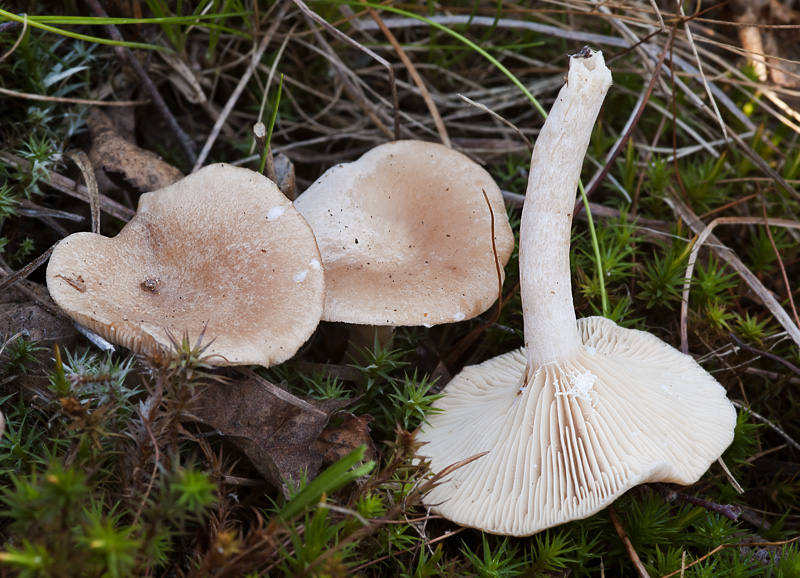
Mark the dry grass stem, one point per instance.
(418, 80)
(66, 99)
(704, 233)
(258, 52)
(73, 189)
(81, 159)
(626, 542)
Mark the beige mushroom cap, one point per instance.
(221, 252)
(405, 236)
(628, 409)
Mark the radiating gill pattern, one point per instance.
(553, 456)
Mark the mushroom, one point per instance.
(586, 409)
(405, 236)
(221, 254)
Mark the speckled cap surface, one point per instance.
(405, 236)
(220, 253)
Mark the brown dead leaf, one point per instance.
(141, 168)
(285, 176)
(336, 442)
(184, 79)
(272, 427)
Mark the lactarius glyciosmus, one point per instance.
(586, 409)
(405, 234)
(220, 254)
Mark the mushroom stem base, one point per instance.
(365, 336)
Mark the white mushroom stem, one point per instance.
(551, 332)
(588, 409)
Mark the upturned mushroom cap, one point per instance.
(405, 236)
(572, 437)
(221, 253)
(587, 409)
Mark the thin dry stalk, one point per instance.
(73, 189)
(418, 80)
(505, 121)
(81, 159)
(699, 61)
(13, 277)
(720, 250)
(69, 100)
(626, 542)
(258, 52)
(789, 295)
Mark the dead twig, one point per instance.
(19, 39)
(676, 497)
(780, 261)
(500, 23)
(703, 232)
(637, 563)
(759, 352)
(73, 189)
(10, 25)
(240, 86)
(632, 122)
(127, 56)
(772, 426)
(12, 277)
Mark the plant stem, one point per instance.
(596, 249)
(551, 332)
(260, 136)
(32, 21)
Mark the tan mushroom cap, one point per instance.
(628, 409)
(221, 252)
(405, 236)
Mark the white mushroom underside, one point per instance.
(628, 410)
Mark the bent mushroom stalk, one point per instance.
(586, 409)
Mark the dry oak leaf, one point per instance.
(273, 428)
(336, 442)
(141, 168)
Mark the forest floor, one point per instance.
(114, 463)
